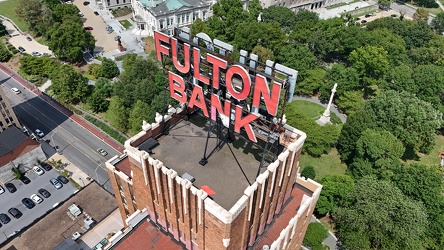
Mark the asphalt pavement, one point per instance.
(8, 200)
(75, 142)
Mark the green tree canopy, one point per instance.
(438, 23)
(381, 217)
(309, 172)
(69, 39)
(139, 113)
(109, 68)
(315, 235)
(117, 114)
(69, 85)
(334, 194)
(280, 14)
(370, 61)
(381, 150)
(60, 11)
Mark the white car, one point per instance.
(35, 53)
(38, 170)
(1, 190)
(39, 133)
(35, 198)
(16, 90)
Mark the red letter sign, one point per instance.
(186, 53)
(240, 122)
(198, 99)
(196, 65)
(218, 63)
(271, 100)
(237, 69)
(161, 49)
(177, 87)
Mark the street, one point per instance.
(76, 143)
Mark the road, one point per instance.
(8, 200)
(76, 143)
(407, 9)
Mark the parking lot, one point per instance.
(18, 40)
(9, 200)
(104, 41)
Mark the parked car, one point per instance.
(4, 218)
(68, 2)
(96, 13)
(11, 188)
(35, 53)
(45, 166)
(88, 28)
(15, 212)
(44, 192)
(85, 3)
(25, 180)
(62, 179)
(16, 90)
(102, 151)
(56, 183)
(363, 21)
(28, 38)
(368, 15)
(1, 190)
(35, 198)
(38, 170)
(39, 133)
(21, 49)
(80, 14)
(28, 203)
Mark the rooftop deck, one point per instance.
(183, 148)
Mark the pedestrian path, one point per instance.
(75, 173)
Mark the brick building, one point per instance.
(7, 115)
(229, 203)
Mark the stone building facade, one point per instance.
(274, 210)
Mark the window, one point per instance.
(117, 1)
(124, 1)
(195, 15)
(134, 198)
(161, 24)
(204, 15)
(168, 22)
(108, 2)
(120, 188)
(188, 18)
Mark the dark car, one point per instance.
(21, 49)
(15, 212)
(4, 218)
(96, 13)
(88, 28)
(25, 180)
(63, 179)
(85, 3)
(28, 203)
(368, 15)
(44, 192)
(28, 38)
(45, 166)
(363, 21)
(11, 188)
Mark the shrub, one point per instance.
(309, 172)
(17, 172)
(108, 130)
(316, 233)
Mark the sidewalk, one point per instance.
(75, 173)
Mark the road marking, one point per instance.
(60, 127)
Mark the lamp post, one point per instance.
(80, 179)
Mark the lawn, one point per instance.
(7, 9)
(432, 158)
(325, 165)
(313, 110)
(125, 23)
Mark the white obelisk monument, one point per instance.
(325, 118)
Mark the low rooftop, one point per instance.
(183, 148)
(11, 138)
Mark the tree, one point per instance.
(399, 78)
(139, 113)
(117, 114)
(421, 14)
(315, 235)
(438, 23)
(381, 150)
(334, 194)
(263, 53)
(200, 26)
(429, 85)
(350, 101)
(392, 43)
(297, 57)
(30, 11)
(98, 99)
(5, 55)
(109, 69)
(3, 30)
(62, 10)
(381, 217)
(370, 61)
(313, 80)
(69, 39)
(411, 120)
(280, 14)
(309, 172)
(69, 85)
(417, 35)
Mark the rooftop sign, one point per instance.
(231, 89)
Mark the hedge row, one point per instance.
(110, 131)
